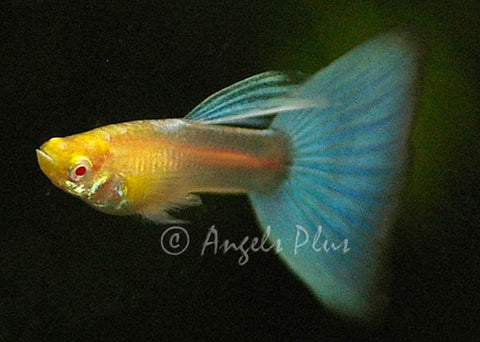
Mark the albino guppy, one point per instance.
(329, 150)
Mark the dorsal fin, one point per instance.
(252, 101)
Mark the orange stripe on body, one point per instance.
(212, 156)
(200, 155)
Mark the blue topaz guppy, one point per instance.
(326, 151)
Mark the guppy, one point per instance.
(325, 151)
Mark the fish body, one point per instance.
(322, 153)
(148, 167)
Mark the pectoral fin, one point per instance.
(154, 197)
(161, 213)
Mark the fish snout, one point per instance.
(46, 162)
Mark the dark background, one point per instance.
(72, 273)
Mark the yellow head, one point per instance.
(78, 164)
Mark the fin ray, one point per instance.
(250, 102)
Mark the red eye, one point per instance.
(80, 171)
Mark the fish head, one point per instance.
(77, 164)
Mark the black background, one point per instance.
(72, 273)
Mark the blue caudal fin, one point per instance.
(347, 169)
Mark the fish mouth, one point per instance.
(46, 162)
(42, 155)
